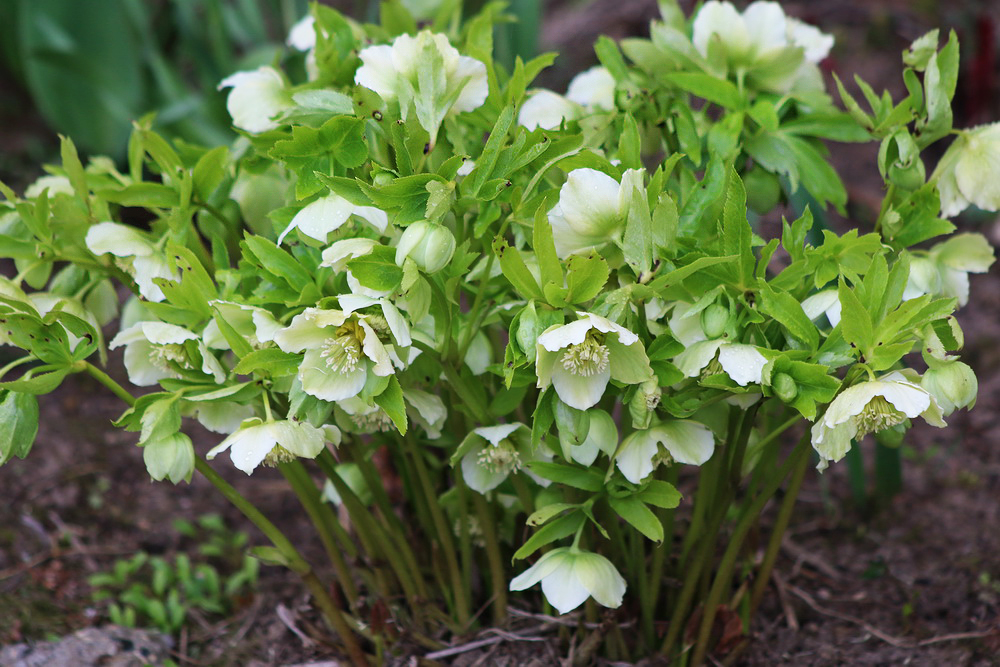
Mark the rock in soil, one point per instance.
(110, 646)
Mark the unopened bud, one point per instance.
(429, 245)
(784, 387)
(909, 176)
(952, 384)
(714, 320)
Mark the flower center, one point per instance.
(662, 456)
(587, 358)
(278, 455)
(126, 265)
(501, 459)
(878, 415)
(343, 351)
(376, 421)
(161, 356)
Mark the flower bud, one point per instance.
(909, 176)
(429, 245)
(763, 190)
(953, 384)
(784, 387)
(714, 320)
(573, 425)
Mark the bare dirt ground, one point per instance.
(915, 583)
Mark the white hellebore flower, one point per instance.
(426, 75)
(779, 51)
(138, 256)
(343, 350)
(326, 214)
(744, 364)
(580, 358)
(944, 270)
(490, 453)
(256, 98)
(589, 91)
(569, 576)
(684, 441)
(870, 407)
(156, 350)
(592, 209)
(969, 171)
(547, 110)
(274, 442)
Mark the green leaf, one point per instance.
(855, 323)
(660, 494)
(391, 400)
(515, 270)
(377, 270)
(18, 424)
(586, 276)
(544, 514)
(270, 361)
(637, 245)
(209, 171)
(630, 144)
(275, 260)
(715, 90)
(550, 532)
(578, 478)
(736, 234)
(545, 251)
(39, 383)
(74, 169)
(640, 517)
(146, 195)
(483, 171)
(344, 138)
(787, 310)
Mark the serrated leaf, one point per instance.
(855, 323)
(391, 400)
(271, 361)
(550, 532)
(660, 494)
(514, 270)
(787, 310)
(586, 276)
(578, 478)
(18, 424)
(640, 517)
(377, 270)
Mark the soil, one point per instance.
(915, 581)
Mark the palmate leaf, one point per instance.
(18, 424)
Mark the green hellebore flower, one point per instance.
(580, 358)
(591, 210)
(139, 257)
(257, 97)
(969, 171)
(429, 245)
(952, 384)
(153, 349)
(870, 407)
(569, 576)
(686, 441)
(490, 453)
(427, 75)
(274, 442)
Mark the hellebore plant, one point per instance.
(519, 337)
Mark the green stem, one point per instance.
(778, 531)
(497, 577)
(106, 380)
(444, 533)
(295, 562)
(322, 518)
(723, 574)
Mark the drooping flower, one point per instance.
(341, 252)
(969, 171)
(944, 270)
(157, 350)
(547, 110)
(779, 52)
(256, 98)
(257, 325)
(593, 89)
(683, 441)
(569, 576)
(490, 453)
(742, 363)
(952, 384)
(274, 442)
(426, 75)
(589, 91)
(326, 214)
(870, 407)
(580, 358)
(138, 256)
(343, 350)
(591, 210)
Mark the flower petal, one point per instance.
(742, 363)
(563, 588)
(579, 391)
